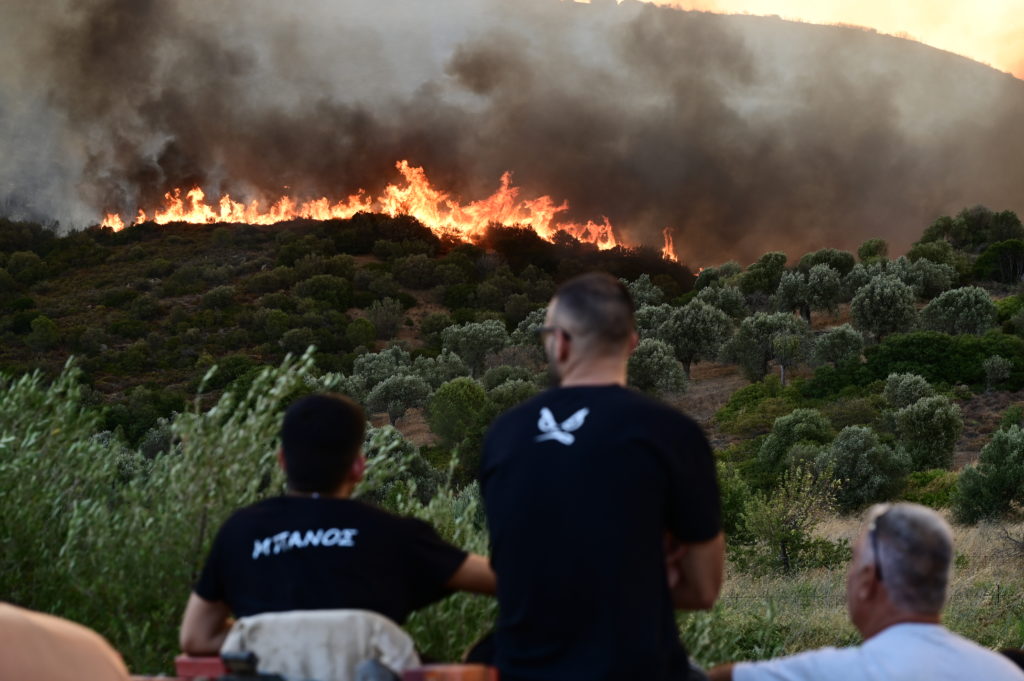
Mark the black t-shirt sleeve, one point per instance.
(431, 562)
(694, 508)
(210, 586)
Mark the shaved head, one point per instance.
(597, 310)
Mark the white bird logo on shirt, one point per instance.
(550, 429)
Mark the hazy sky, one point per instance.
(989, 31)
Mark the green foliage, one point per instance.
(473, 341)
(935, 488)
(510, 393)
(386, 316)
(219, 298)
(824, 288)
(989, 488)
(941, 358)
(791, 294)
(644, 292)
(1002, 261)
(327, 288)
(396, 394)
(883, 306)
(753, 408)
(866, 469)
(733, 492)
(650, 318)
(781, 525)
(501, 374)
(695, 332)
(838, 345)
(26, 267)
(873, 250)
(711, 277)
(297, 340)
(1013, 416)
(997, 369)
(961, 310)
(728, 299)
(653, 368)
(764, 275)
(441, 369)
(972, 229)
(794, 437)
(457, 410)
(361, 332)
(376, 367)
(903, 390)
(44, 335)
(751, 346)
(840, 261)
(928, 430)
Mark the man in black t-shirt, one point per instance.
(602, 506)
(315, 548)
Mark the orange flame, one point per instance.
(416, 197)
(668, 251)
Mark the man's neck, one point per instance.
(343, 492)
(603, 371)
(891, 618)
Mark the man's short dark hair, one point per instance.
(321, 437)
(599, 307)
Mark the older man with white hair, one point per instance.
(895, 591)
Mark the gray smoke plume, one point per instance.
(743, 134)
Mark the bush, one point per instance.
(902, 390)
(492, 378)
(361, 332)
(44, 335)
(935, 488)
(695, 331)
(653, 368)
(219, 298)
(806, 428)
(997, 370)
(510, 393)
(396, 394)
(26, 267)
(326, 288)
(297, 340)
(728, 299)
(780, 525)
(458, 410)
(928, 430)
(838, 345)
(473, 341)
(989, 488)
(962, 310)
(376, 367)
(883, 306)
(437, 371)
(866, 470)
(751, 346)
(386, 316)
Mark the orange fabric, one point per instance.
(38, 647)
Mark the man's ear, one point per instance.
(867, 582)
(358, 468)
(634, 340)
(280, 459)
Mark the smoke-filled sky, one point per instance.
(743, 134)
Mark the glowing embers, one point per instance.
(415, 197)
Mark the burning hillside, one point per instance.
(741, 134)
(436, 209)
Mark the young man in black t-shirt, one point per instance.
(315, 548)
(603, 509)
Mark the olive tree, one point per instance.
(824, 288)
(802, 430)
(764, 275)
(791, 294)
(374, 367)
(695, 332)
(882, 306)
(396, 394)
(838, 345)
(997, 369)
(902, 390)
(928, 430)
(716, 276)
(867, 470)
(644, 291)
(997, 481)
(653, 368)
(649, 319)
(873, 250)
(458, 410)
(387, 316)
(962, 310)
(728, 299)
(473, 341)
(441, 369)
(751, 346)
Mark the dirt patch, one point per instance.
(981, 415)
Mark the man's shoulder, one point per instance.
(837, 664)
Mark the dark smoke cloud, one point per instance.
(744, 134)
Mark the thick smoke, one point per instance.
(744, 134)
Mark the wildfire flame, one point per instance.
(416, 197)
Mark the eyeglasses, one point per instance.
(876, 522)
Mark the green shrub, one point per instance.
(935, 488)
(989, 488)
(386, 316)
(219, 298)
(653, 368)
(866, 469)
(44, 335)
(793, 436)
(26, 267)
(902, 390)
(928, 430)
(458, 410)
(361, 332)
(325, 288)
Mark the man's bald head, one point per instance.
(596, 310)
